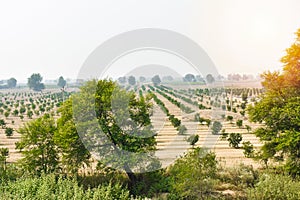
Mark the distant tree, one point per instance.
(122, 79)
(239, 123)
(244, 96)
(6, 114)
(35, 82)
(243, 106)
(193, 139)
(199, 78)
(216, 127)
(9, 131)
(234, 139)
(248, 128)
(2, 123)
(156, 80)
(210, 78)
(142, 79)
(29, 114)
(11, 83)
(208, 122)
(131, 80)
(61, 82)
(189, 78)
(181, 129)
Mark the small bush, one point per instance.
(248, 149)
(234, 140)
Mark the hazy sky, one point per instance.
(55, 37)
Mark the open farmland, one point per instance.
(19, 106)
(188, 105)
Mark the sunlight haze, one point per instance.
(54, 38)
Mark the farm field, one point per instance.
(19, 106)
(172, 145)
(25, 105)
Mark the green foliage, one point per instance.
(239, 177)
(248, 149)
(234, 139)
(6, 114)
(35, 82)
(192, 175)
(150, 184)
(73, 153)
(229, 118)
(11, 83)
(224, 134)
(272, 186)
(38, 147)
(131, 80)
(9, 131)
(3, 154)
(248, 128)
(61, 82)
(193, 139)
(197, 117)
(124, 121)
(279, 110)
(156, 80)
(244, 97)
(51, 187)
(2, 123)
(239, 123)
(216, 127)
(181, 129)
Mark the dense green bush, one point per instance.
(234, 140)
(192, 176)
(52, 187)
(275, 187)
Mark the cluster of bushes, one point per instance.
(196, 175)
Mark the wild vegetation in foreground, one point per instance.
(54, 154)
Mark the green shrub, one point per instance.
(234, 140)
(193, 139)
(192, 176)
(272, 186)
(52, 187)
(248, 149)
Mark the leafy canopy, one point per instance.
(279, 110)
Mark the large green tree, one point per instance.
(38, 147)
(35, 82)
(279, 110)
(115, 126)
(73, 153)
